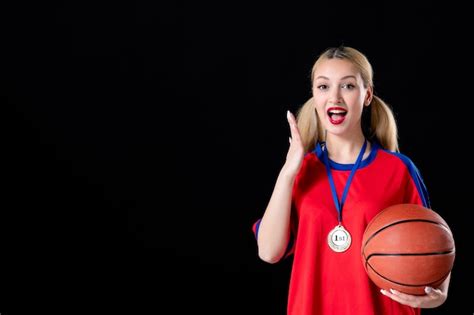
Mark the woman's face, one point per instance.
(339, 96)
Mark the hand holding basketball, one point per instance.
(432, 299)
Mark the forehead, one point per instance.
(336, 69)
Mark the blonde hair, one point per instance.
(379, 119)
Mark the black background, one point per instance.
(142, 141)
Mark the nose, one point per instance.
(335, 96)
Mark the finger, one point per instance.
(399, 297)
(290, 116)
(391, 295)
(433, 293)
(295, 133)
(402, 295)
(292, 123)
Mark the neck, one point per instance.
(345, 149)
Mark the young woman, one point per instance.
(341, 169)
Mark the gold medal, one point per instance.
(339, 239)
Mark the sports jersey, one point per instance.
(325, 282)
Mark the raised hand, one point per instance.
(295, 155)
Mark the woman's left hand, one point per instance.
(433, 298)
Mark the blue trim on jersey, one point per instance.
(347, 167)
(412, 169)
(416, 176)
(257, 226)
(290, 245)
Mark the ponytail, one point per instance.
(383, 125)
(308, 125)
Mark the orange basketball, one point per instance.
(407, 247)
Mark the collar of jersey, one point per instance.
(347, 167)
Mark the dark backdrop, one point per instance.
(143, 140)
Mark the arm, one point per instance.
(274, 230)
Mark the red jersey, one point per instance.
(322, 281)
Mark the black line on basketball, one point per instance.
(411, 254)
(408, 285)
(399, 222)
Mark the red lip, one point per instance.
(341, 118)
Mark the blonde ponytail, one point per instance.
(383, 124)
(308, 125)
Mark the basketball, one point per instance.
(407, 247)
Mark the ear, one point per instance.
(368, 96)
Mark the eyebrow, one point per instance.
(346, 77)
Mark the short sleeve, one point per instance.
(293, 221)
(416, 191)
(291, 242)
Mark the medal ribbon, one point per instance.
(340, 204)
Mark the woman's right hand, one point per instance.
(295, 155)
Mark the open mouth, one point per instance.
(336, 115)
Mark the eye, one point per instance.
(322, 87)
(348, 86)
